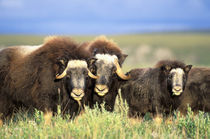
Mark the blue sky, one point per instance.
(102, 16)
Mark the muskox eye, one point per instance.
(85, 72)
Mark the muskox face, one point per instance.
(177, 78)
(76, 74)
(106, 66)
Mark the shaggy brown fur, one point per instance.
(149, 90)
(172, 64)
(28, 78)
(102, 45)
(197, 92)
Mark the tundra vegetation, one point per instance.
(95, 123)
(103, 124)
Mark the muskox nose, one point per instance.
(177, 90)
(77, 94)
(101, 90)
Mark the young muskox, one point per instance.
(153, 89)
(106, 64)
(34, 76)
(197, 92)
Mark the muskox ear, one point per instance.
(166, 68)
(122, 58)
(91, 61)
(91, 64)
(187, 68)
(62, 61)
(60, 66)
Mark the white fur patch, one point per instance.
(106, 58)
(26, 50)
(178, 76)
(178, 71)
(77, 64)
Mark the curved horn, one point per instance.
(120, 72)
(61, 75)
(92, 75)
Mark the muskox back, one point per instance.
(197, 93)
(9, 57)
(151, 89)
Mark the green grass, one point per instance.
(102, 124)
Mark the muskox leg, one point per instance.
(48, 116)
(1, 121)
(6, 108)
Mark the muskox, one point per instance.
(107, 59)
(34, 76)
(197, 92)
(153, 89)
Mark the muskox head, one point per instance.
(76, 74)
(106, 67)
(176, 78)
